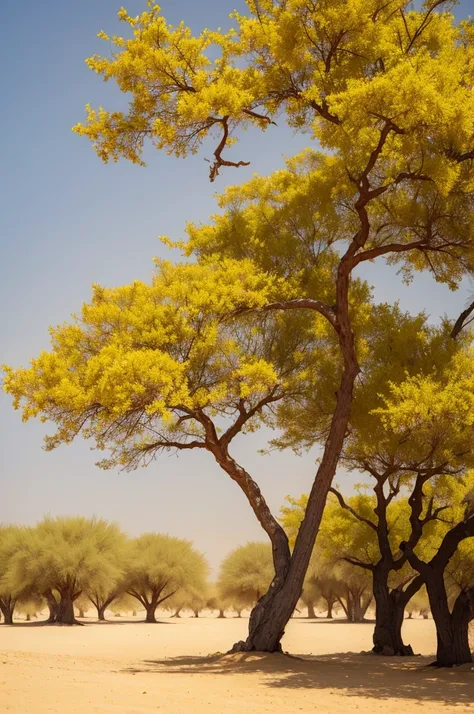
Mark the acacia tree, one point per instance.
(66, 556)
(10, 592)
(246, 573)
(395, 180)
(160, 567)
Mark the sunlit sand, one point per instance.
(176, 667)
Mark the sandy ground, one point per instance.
(169, 668)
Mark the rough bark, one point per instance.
(389, 613)
(65, 612)
(451, 626)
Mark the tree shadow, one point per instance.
(352, 675)
(85, 623)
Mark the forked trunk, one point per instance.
(452, 628)
(273, 611)
(7, 606)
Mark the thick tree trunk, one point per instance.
(221, 614)
(311, 612)
(150, 613)
(101, 613)
(452, 628)
(65, 612)
(271, 614)
(330, 605)
(196, 613)
(389, 614)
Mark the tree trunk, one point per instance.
(176, 614)
(221, 614)
(150, 613)
(271, 614)
(196, 613)
(7, 606)
(52, 605)
(28, 617)
(311, 612)
(389, 614)
(452, 628)
(65, 612)
(101, 613)
(330, 604)
(81, 612)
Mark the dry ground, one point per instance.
(134, 668)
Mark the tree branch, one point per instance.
(354, 513)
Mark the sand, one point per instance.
(135, 668)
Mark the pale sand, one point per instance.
(165, 668)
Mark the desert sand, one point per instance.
(175, 668)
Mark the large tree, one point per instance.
(160, 567)
(395, 179)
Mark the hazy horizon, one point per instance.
(69, 221)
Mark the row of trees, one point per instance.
(272, 323)
(65, 561)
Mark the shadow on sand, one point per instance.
(83, 621)
(354, 675)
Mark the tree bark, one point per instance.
(101, 613)
(271, 614)
(221, 614)
(389, 614)
(150, 613)
(452, 628)
(65, 612)
(311, 612)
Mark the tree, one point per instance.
(30, 606)
(246, 573)
(160, 567)
(66, 556)
(395, 180)
(10, 591)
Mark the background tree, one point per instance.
(30, 607)
(10, 590)
(160, 567)
(66, 556)
(395, 181)
(246, 573)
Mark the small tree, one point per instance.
(245, 573)
(11, 589)
(160, 567)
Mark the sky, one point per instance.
(67, 221)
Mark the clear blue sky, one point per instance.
(66, 221)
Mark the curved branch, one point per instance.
(346, 507)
